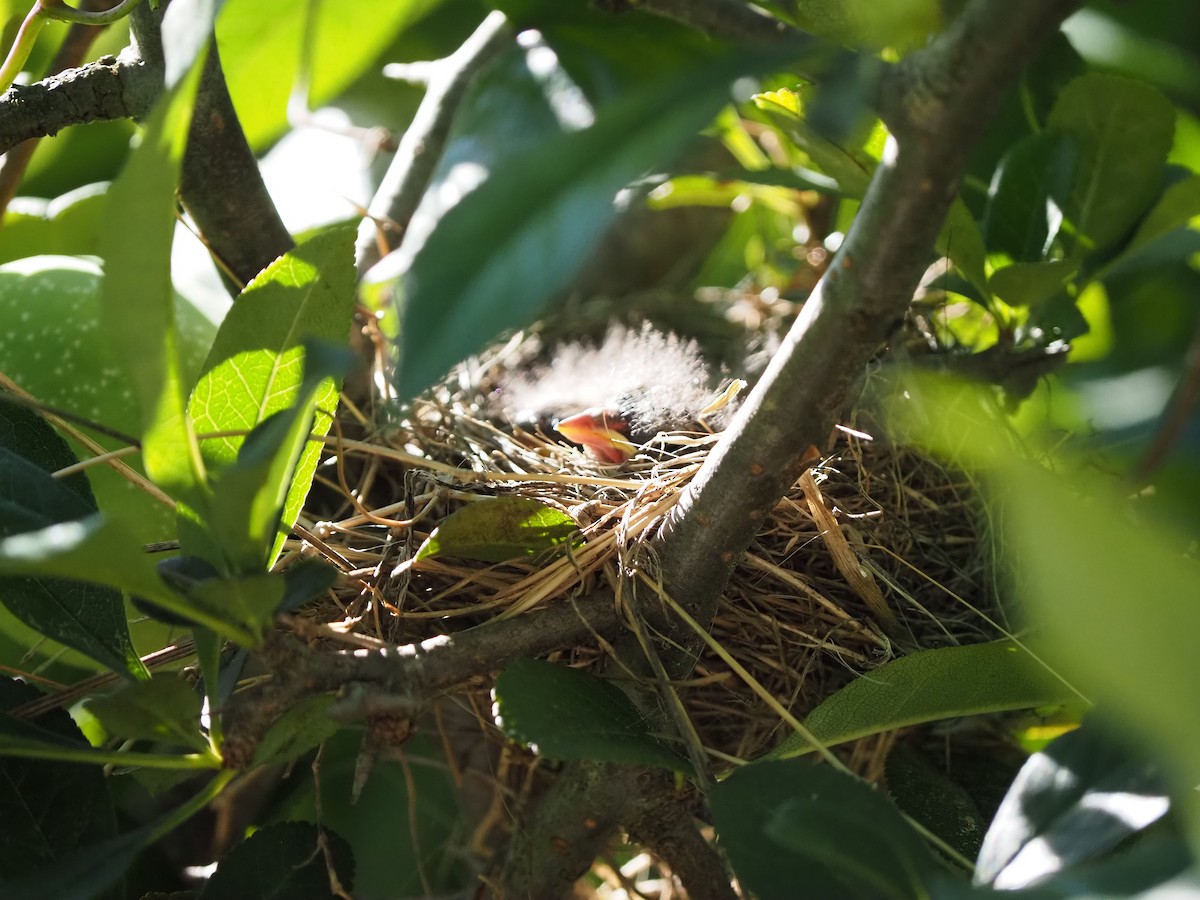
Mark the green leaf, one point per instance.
(243, 606)
(1023, 214)
(564, 714)
(903, 24)
(137, 316)
(100, 550)
(302, 726)
(494, 260)
(927, 794)
(281, 862)
(850, 169)
(165, 708)
(1170, 232)
(1032, 283)
(1122, 130)
(499, 529)
(1083, 795)
(266, 36)
(962, 243)
(794, 829)
(34, 793)
(256, 368)
(56, 303)
(86, 617)
(928, 686)
(68, 225)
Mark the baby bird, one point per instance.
(613, 397)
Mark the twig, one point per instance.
(421, 147)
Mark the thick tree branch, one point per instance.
(220, 184)
(109, 88)
(405, 679)
(938, 102)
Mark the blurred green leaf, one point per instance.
(499, 529)
(494, 260)
(1023, 212)
(69, 225)
(903, 24)
(1071, 803)
(928, 686)
(961, 241)
(266, 36)
(792, 829)
(563, 713)
(300, 728)
(1122, 131)
(1032, 283)
(59, 354)
(165, 708)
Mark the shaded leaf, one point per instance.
(1023, 212)
(85, 616)
(563, 713)
(302, 726)
(932, 799)
(165, 708)
(961, 241)
(928, 686)
(1072, 802)
(34, 793)
(1032, 283)
(500, 529)
(794, 829)
(1122, 131)
(282, 862)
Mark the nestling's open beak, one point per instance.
(601, 432)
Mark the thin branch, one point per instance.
(420, 149)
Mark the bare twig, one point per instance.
(420, 148)
(730, 19)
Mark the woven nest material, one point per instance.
(893, 530)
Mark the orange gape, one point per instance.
(602, 432)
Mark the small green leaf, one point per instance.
(927, 794)
(301, 727)
(1122, 130)
(280, 862)
(961, 242)
(794, 829)
(256, 368)
(1023, 212)
(1032, 283)
(245, 605)
(500, 529)
(564, 714)
(928, 686)
(1169, 233)
(165, 708)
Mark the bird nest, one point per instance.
(873, 526)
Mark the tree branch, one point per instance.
(109, 88)
(405, 678)
(220, 183)
(420, 149)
